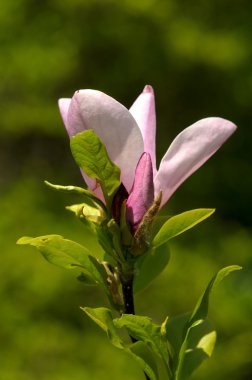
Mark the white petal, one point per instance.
(190, 149)
(113, 123)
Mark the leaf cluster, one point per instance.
(176, 347)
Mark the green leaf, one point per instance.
(174, 331)
(201, 309)
(87, 213)
(180, 223)
(150, 265)
(70, 189)
(67, 254)
(105, 241)
(103, 318)
(192, 337)
(90, 198)
(143, 329)
(196, 347)
(115, 233)
(157, 223)
(27, 240)
(126, 235)
(200, 345)
(91, 156)
(144, 357)
(85, 280)
(138, 351)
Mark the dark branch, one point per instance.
(129, 308)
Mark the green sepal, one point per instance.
(150, 265)
(91, 156)
(180, 223)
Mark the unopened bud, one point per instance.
(142, 235)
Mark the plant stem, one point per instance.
(129, 308)
(128, 297)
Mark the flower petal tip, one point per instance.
(64, 104)
(227, 125)
(223, 127)
(148, 89)
(231, 126)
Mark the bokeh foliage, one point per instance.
(197, 56)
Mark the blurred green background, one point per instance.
(197, 56)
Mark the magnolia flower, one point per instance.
(129, 137)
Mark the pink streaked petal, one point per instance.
(190, 149)
(143, 111)
(113, 123)
(64, 104)
(142, 194)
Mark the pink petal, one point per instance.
(64, 104)
(113, 123)
(190, 149)
(142, 194)
(143, 111)
(93, 185)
